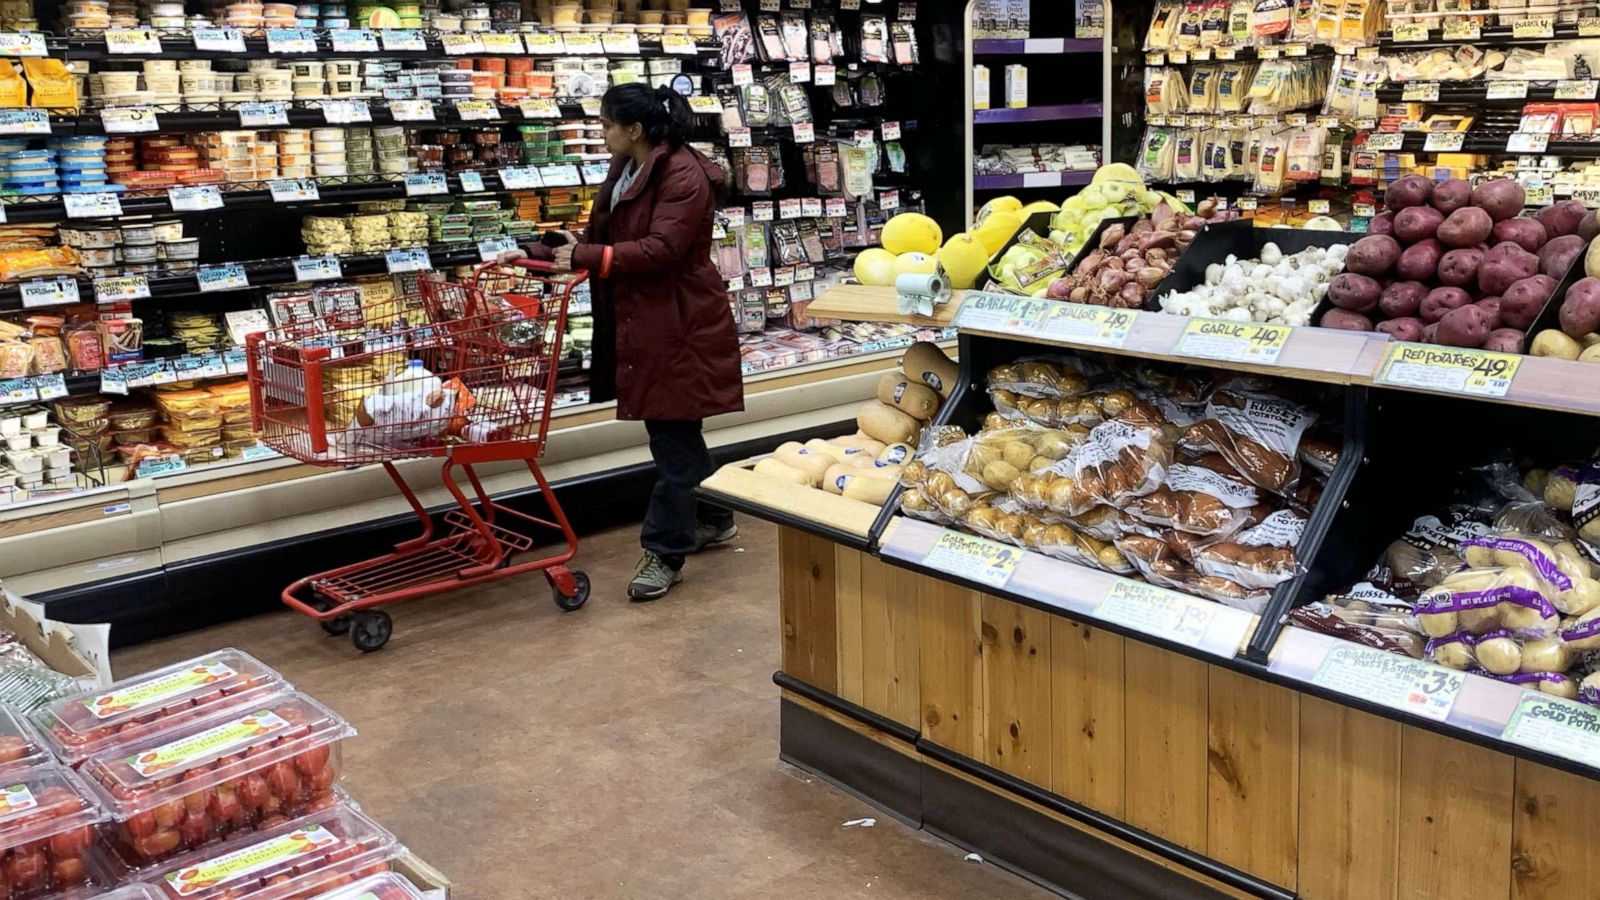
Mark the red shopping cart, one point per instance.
(465, 371)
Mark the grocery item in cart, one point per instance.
(80, 726)
(410, 406)
(47, 823)
(240, 770)
(317, 855)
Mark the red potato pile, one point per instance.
(1454, 264)
(1130, 261)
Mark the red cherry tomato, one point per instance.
(224, 805)
(271, 822)
(71, 842)
(25, 871)
(283, 781)
(322, 802)
(195, 830)
(157, 845)
(272, 805)
(253, 790)
(140, 825)
(67, 871)
(196, 803)
(323, 780)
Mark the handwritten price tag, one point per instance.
(502, 43)
(1581, 89)
(540, 108)
(1080, 323)
(293, 191)
(1506, 90)
(1391, 680)
(1420, 92)
(218, 40)
(1246, 342)
(407, 260)
(132, 42)
(704, 105)
(24, 121)
(1385, 140)
(346, 112)
(1525, 142)
(194, 199)
(546, 44)
(291, 40)
(1589, 26)
(1002, 313)
(1158, 612)
(1534, 28)
(317, 268)
(230, 277)
(460, 44)
(471, 182)
(91, 206)
(411, 110)
(119, 290)
(1406, 32)
(129, 120)
(19, 44)
(395, 39)
(1444, 141)
(264, 114)
(477, 110)
(1479, 373)
(973, 558)
(354, 41)
(56, 292)
(1461, 28)
(1556, 726)
(824, 75)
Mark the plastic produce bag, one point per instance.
(1119, 460)
(1257, 433)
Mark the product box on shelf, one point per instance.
(316, 855)
(242, 769)
(47, 828)
(78, 727)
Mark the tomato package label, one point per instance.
(208, 743)
(16, 799)
(157, 690)
(248, 860)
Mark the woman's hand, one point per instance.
(563, 260)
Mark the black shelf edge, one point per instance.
(1489, 36)
(180, 45)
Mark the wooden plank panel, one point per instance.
(1349, 803)
(847, 597)
(898, 651)
(1165, 732)
(1252, 796)
(1016, 689)
(951, 681)
(1455, 818)
(1552, 843)
(1086, 666)
(805, 597)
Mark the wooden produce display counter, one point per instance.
(1109, 738)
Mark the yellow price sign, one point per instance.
(1410, 31)
(1246, 342)
(1539, 194)
(1461, 28)
(1589, 26)
(1534, 28)
(1456, 370)
(546, 43)
(540, 108)
(1157, 611)
(1080, 323)
(502, 42)
(973, 558)
(703, 105)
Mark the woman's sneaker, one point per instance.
(652, 579)
(710, 535)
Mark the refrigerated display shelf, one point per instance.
(1031, 180)
(1060, 112)
(1035, 46)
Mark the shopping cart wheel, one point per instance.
(580, 594)
(338, 626)
(370, 629)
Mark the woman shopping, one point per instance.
(663, 330)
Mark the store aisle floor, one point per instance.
(621, 751)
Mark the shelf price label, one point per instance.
(1527, 142)
(590, 106)
(1385, 140)
(411, 110)
(1538, 194)
(132, 42)
(973, 558)
(1575, 89)
(229, 277)
(520, 178)
(17, 390)
(1588, 196)
(678, 43)
(1444, 141)
(620, 44)
(234, 359)
(739, 137)
(1002, 313)
(743, 75)
(460, 44)
(546, 45)
(55, 292)
(1534, 28)
(218, 40)
(397, 39)
(1506, 90)
(471, 182)
(111, 382)
(477, 110)
(1389, 679)
(835, 207)
(1457, 370)
(1409, 32)
(414, 259)
(50, 387)
(1588, 26)
(91, 206)
(540, 108)
(824, 75)
(811, 207)
(317, 268)
(583, 44)
(595, 173)
(1366, 210)
(291, 40)
(800, 73)
(1461, 28)
(295, 190)
(704, 105)
(889, 199)
(1080, 323)
(890, 131)
(762, 211)
(422, 184)
(197, 198)
(358, 40)
(1420, 91)
(121, 289)
(1158, 612)
(24, 121)
(1246, 342)
(1556, 726)
(346, 112)
(564, 175)
(489, 249)
(263, 114)
(23, 43)
(503, 42)
(129, 120)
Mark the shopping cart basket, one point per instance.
(464, 371)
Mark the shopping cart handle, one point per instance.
(533, 265)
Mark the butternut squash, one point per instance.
(911, 397)
(926, 363)
(806, 460)
(777, 471)
(868, 489)
(886, 423)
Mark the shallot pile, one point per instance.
(1130, 261)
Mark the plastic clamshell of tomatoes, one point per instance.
(249, 769)
(77, 727)
(47, 830)
(313, 856)
(20, 746)
(384, 886)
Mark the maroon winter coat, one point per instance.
(675, 353)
